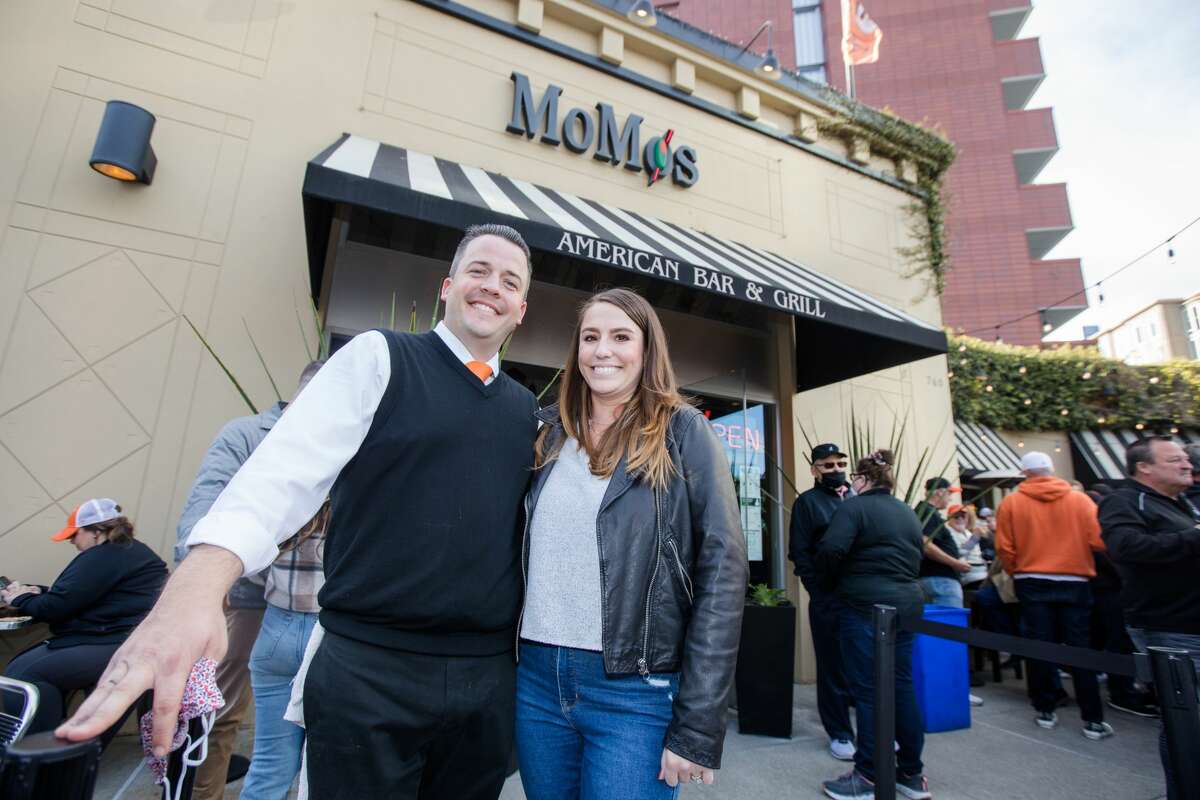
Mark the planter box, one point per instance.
(764, 671)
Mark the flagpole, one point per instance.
(849, 80)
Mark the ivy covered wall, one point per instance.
(1023, 388)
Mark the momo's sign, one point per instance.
(582, 130)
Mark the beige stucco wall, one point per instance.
(104, 390)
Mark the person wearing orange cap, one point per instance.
(92, 606)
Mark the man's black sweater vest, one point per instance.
(424, 539)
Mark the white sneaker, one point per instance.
(1047, 720)
(842, 749)
(975, 699)
(1097, 730)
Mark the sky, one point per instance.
(1124, 81)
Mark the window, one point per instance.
(810, 39)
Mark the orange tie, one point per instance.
(480, 369)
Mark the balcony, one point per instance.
(1046, 213)
(1020, 65)
(1033, 140)
(1059, 281)
(1008, 17)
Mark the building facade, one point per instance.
(962, 67)
(316, 165)
(1162, 331)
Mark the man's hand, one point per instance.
(676, 769)
(185, 625)
(962, 566)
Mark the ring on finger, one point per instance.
(697, 778)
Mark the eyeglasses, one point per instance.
(830, 466)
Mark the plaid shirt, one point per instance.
(298, 573)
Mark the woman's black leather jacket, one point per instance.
(673, 576)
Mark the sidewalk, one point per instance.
(1003, 756)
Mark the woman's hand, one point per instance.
(14, 590)
(677, 769)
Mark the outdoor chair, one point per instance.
(14, 693)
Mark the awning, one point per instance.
(1102, 451)
(983, 455)
(365, 173)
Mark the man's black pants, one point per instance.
(386, 723)
(833, 689)
(1059, 612)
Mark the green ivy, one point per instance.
(1027, 389)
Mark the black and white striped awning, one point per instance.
(983, 455)
(362, 172)
(1103, 451)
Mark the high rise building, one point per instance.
(959, 65)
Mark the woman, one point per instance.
(93, 605)
(960, 520)
(871, 553)
(636, 574)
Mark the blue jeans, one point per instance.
(858, 659)
(1182, 641)
(582, 734)
(274, 662)
(943, 591)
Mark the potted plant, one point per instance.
(764, 665)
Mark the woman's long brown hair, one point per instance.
(640, 432)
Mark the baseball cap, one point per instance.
(934, 484)
(825, 451)
(985, 512)
(1035, 460)
(93, 512)
(954, 509)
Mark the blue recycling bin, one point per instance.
(939, 668)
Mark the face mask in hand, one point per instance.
(833, 480)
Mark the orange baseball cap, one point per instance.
(93, 512)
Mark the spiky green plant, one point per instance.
(221, 364)
(762, 594)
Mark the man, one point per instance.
(1045, 535)
(810, 517)
(1193, 491)
(425, 450)
(940, 564)
(1151, 531)
(244, 604)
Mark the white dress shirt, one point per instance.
(285, 480)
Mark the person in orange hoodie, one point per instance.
(1045, 535)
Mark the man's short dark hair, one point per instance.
(1140, 452)
(491, 229)
(1193, 451)
(311, 369)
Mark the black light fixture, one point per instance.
(122, 150)
(642, 13)
(769, 66)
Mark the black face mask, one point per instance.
(833, 480)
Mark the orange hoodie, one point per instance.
(1047, 527)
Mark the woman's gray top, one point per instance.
(562, 600)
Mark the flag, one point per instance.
(860, 34)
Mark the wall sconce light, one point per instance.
(122, 150)
(642, 13)
(769, 66)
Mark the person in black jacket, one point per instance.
(871, 554)
(636, 574)
(1151, 532)
(942, 564)
(810, 517)
(98, 599)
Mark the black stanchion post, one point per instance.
(1175, 680)
(885, 702)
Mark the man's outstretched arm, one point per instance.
(276, 491)
(186, 624)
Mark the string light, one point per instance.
(1028, 401)
(1154, 379)
(1086, 375)
(1021, 444)
(1097, 284)
(1174, 430)
(1065, 412)
(988, 388)
(1021, 369)
(950, 374)
(1099, 420)
(1058, 449)
(962, 348)
(1139, 426)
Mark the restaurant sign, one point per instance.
(581, 131)
(627, 258)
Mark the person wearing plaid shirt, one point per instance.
(293, 581)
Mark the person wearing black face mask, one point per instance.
(810, 517)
